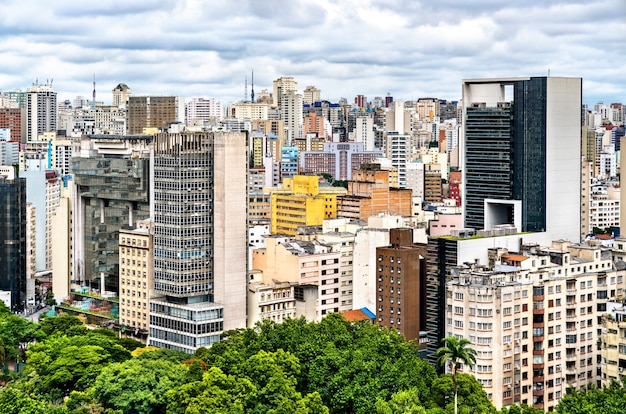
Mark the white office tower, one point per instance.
(200, 238)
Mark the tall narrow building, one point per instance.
(41, 111)
(521, 154)
(200, 238)
(12, 238)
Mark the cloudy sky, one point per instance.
(407, 48)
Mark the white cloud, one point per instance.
(344, 47)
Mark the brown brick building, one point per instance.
(401, 284)
(11, 118)
(369, 194)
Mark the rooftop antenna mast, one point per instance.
(94, 88)
(252, 93)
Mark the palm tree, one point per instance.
(455, 351)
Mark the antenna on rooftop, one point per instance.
(94, 87)
(252, 93)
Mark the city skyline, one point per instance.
(407, 49)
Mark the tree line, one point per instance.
(332, 366)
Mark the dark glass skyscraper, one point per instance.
(13, 237)
(522, 153)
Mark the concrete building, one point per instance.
(291, 111)
(41, 112)
(136, 278)
(154, 112)
(112, 186)
(398, 149)
(365, 261)
(302, 202)
(289, 162)
(251, 110)
(611, 343)
(13, 237)
(121, 93)
(43, 191)
(311, 94)
(11, 118)
(282, 86)
(274, 301)
(202, 110)
(514, 139)
(338, 159)
(544, 299)
(401, 284)
(604, 210)
(200, 238)
(370, 194)
(314, 267)
(63, 241)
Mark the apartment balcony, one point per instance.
(570, 357)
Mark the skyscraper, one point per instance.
(13, 237)
(41, 111)
(200, 242)
(521, 154)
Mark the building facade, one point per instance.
(200, 238)
(13, 237)
(507, 144)
(136, 282)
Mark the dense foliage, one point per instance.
(332, 366)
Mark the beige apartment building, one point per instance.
(311, 265)
(532, 317)
(613, 343)
(136, 282)
(269, 301)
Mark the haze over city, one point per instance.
(409, 49)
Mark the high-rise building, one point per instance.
(112, 186)
(370, 194)
(136, 282)
(121, 93)
(43, 192)
(11, 118)
(282, 86)
(291, 111)
(12, 238)
(302, 202)
(521, 154)
(200, 238)
(41, 111)
(311, 94)
(401, 284)
(154, 112)
(338, 159)
(533, 316)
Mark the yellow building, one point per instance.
(301, 202)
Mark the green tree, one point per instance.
(471, 396)
(521, 409)
(402, 402)
(608, 400)
(15, 330)
(455, 352)
(350, 365)
(64, 364)
(138, 386)
(62, 325)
